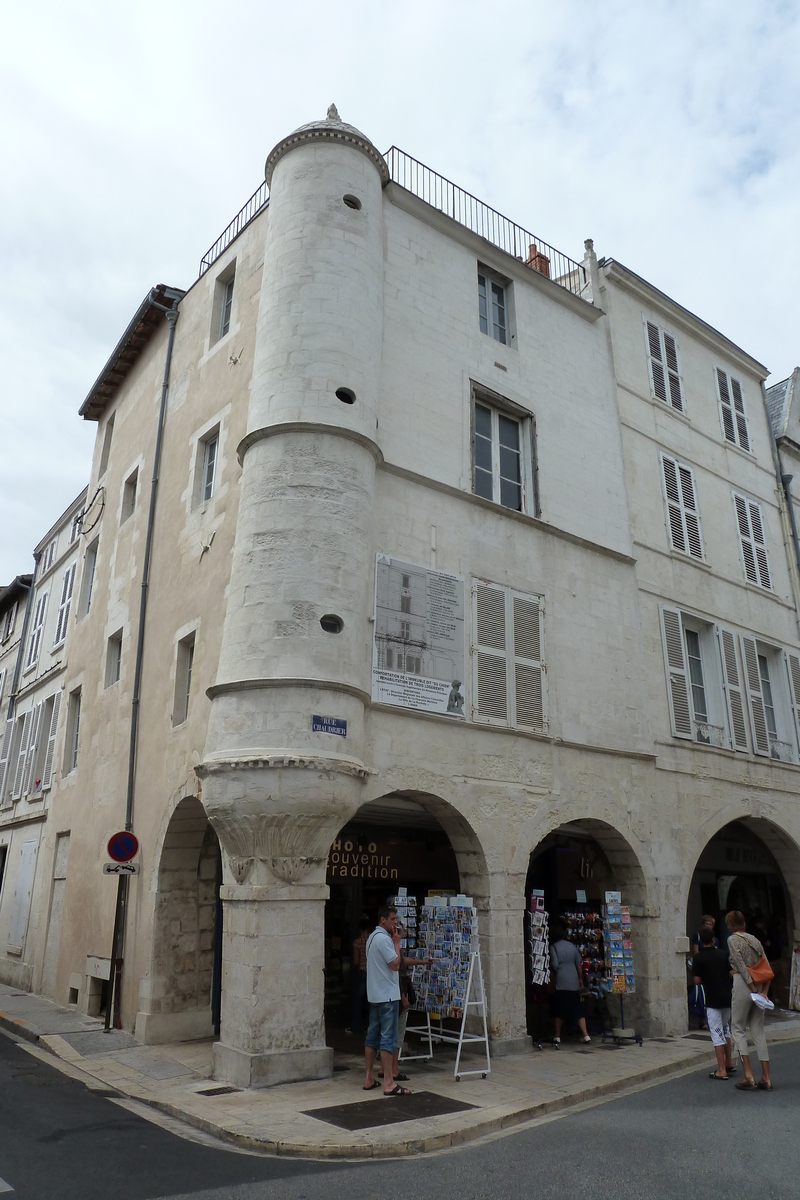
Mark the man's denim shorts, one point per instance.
(382, 1030)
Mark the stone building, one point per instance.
(412, 563)
(35, 627)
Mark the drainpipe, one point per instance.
(114, 999)
(785, 482)
(23, 637)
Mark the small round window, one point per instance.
(345, 395)
(352, 201)
(331, 623)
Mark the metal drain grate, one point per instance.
(219, 1091)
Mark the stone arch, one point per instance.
(177, 996)
(627, 865)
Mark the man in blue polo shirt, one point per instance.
(383, 994)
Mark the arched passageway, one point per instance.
(573, 868)
(751, 865)
(183, 991)
(417, 842)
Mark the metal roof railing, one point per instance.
(484, 221)
(258, 200)
(454, 202)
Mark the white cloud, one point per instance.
(668, 131)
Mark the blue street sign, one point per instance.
(335, 725)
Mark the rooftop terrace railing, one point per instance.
(454, 202)
(258, 200)
(486, 222)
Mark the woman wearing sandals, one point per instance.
(746, 952)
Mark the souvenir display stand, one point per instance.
(453, 986)
(620, 975)
(538, 946)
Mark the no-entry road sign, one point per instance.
(123, 846)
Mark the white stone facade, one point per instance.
(349, 283)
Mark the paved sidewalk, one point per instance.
(176, 1080)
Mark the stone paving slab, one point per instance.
(520, 1088)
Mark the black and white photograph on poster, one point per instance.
(418, 652)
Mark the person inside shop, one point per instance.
(383, 994)
(566, 964)
(706, 922)
(749, 1001)
(358, 976)
(712, 971)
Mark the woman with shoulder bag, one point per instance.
(751, 976)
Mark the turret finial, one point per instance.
(333, 113)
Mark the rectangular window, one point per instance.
(662, 357)
(9, 621)
(35, 639)
(183, 679)
(227, 302)
(49, 555)
(499, 467)
(75, 528)
(114, 658)
(64, 606)
(107, 435)
(508, 671)
(694, 684)
(209, 468)
(73, 731)
(731, 410)
(129, 496)
(492, 307)
(752, 542)
(683, 520)
(222, 305)
(87, 581)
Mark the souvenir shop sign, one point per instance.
(418, 646)
(350, 859)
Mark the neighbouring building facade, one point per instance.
(468, 566)
(33, 881)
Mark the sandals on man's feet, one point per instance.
(398, 1091)
(746, 1085)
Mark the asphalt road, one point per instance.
(688, 1137)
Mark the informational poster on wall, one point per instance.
(418, 651)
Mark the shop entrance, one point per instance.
(738, 870)
(390, 843)
(574, 867)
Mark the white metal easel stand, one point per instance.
(424, 1033)
(462, 1038)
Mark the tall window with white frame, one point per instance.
(492, 307)
(129, 496)
(210, 447)
(35, 639)
(227, 304)
(766, 695)
(114, 658)
(697, 684)
(184, 667)
(498, 461)
(73, 731)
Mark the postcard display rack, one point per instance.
(452, 987)
(620, 975)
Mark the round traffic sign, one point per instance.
(123, 846)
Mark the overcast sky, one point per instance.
(130, 135)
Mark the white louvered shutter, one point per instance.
(793, 672)
(21, 756)
(529, 689)
(752, 541)
(5, 754)
(664, 370)
(731, 407)
(2, 683)
(677, 674)
(489, 662)
(47, 771)
(64, 606)
(33, 749)
(656, 362)
(36, 632)
(733, 689)
(752, 679)
(682, 514)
